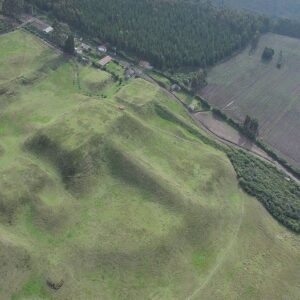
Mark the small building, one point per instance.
(145, 64)
(78, 51)
(83, 60)
(104, 61)
(175, 88)
(102, 49)
(48, 29)
(191, 107)
(85, 47)
(129, 73)
(41, 25)
(138, 73)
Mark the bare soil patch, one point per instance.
(224, 131)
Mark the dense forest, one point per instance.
(285, 13)
(280, 196)
(287, 27)
(275, 8)
(170, 34)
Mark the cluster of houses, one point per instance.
(83, 48)
(85, 52)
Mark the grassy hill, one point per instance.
(98, 202)
(246, 85)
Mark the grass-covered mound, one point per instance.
(93, 80)
(116, 194)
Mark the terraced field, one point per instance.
(98, 202)
(246, 85)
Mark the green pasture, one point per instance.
(105, 188)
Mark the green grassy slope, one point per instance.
(28, 56)
(121, 204)
(246, 85)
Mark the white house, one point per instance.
(48, 29)
(102, 49)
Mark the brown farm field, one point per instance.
(246, 85)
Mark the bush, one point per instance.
(204, 103)
(219, 114)
(268, 54)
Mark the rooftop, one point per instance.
(102, 48)
(41, 25)
(102, 62)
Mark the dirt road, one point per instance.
(256, 151)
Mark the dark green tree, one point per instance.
(268, 54)
(254, 41)
(287, 27)
(280, 60)
(12, 8)
(60, 33)
(198, 81)
(69, 46)
(251, 127)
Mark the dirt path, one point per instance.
(16, 27)
(226, 132)
(258, 152)
(261, 154)
(221, 257)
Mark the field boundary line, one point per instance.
(226, 142)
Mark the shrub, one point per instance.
(268, 54)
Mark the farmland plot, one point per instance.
(247, 85)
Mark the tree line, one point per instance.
(280, 195)
(169, 34)
(287, 27)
